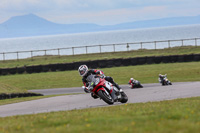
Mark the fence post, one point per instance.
(141, 45)
(86, 49)
(196, 42)
(155, 45)
(45, 52)
(72, 50)
(127, 46)
(114, 47)
(100, 48)
(3, 56)
(182, 42)
(58, 52)
(32, 55)
(17, 56)
(168, 43)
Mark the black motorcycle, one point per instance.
(135, 84)
(165, 81)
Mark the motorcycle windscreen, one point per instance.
(93, 79)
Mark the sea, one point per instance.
(96, 42)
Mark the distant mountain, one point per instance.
(164, 22)
(32, 25)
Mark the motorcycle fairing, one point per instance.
(101, 84)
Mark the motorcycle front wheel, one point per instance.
(106, 97)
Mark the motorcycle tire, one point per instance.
(106, 98)
(124, 98)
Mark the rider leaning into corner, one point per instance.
(161, 77)
(131, 81)
(84, 72)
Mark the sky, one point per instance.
(102, 12)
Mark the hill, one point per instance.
(32, 25)
(164, 22)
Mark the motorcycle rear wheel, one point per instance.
(124, 98)
(106, 98)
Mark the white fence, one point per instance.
(100, 48)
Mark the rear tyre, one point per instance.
(106, 98)
(124, 98)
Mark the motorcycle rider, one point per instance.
(131, 81)
(161, 77)
(84, 72)
(134, 83)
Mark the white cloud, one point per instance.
(99, 11)
(114, 16)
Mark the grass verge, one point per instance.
(177, 72)
(180, 115)
(42, 60)
(6, 88)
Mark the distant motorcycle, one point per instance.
(135, 84)
(105, 90)
(165, 81)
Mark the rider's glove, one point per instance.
(103, 76)
(90, 88)
(86, 89)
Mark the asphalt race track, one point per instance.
(150, 92)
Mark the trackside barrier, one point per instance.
(15, 95)
(101, 64)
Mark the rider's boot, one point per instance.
(120, 90)
(117, 86)
(110, 79)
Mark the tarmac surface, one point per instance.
(150, 93)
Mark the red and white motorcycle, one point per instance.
(105, 90)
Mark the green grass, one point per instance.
(177, 72)
(6, 88)
(174, 116)
(41, 60)
(181, 115)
